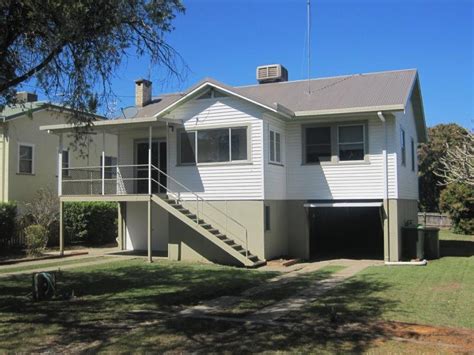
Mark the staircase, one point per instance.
(226, 243)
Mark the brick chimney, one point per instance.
(25, 96)
(142, 92)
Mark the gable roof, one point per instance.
(357, 93)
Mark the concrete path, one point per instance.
(221, 304)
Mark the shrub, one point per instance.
(458, 201)
(90, 222)
(8, 213)
(36, 239)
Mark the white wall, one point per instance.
(407, 178)
(275, 175)
(230, 181)
(136, 227)
(344, 180)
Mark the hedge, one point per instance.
(90, 222)
(458, 201)
(8, 212)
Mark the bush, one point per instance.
(458, 201)
(8, 213)
(36, 239)
(90, 222)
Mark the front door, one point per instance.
(158, 159)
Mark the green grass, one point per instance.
(446, 234)
(440, 293)
(20, 267)
(106, 294)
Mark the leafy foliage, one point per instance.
(72, 48)
(8, 212)
(458, 200)
(90, 222)
(429, 156)
(36, 239)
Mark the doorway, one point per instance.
(158, 159)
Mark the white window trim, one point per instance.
(67, 172)
(33, 158)
(275, 161)
(206, 128)
(338, 143)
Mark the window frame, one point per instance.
(413, 154)
(66, 173)
(364, 142)
(275, 161)
(403, 147)
(317, 125)
(247, 128)
(33, 158)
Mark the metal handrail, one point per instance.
(68, 179)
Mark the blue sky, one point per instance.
(228, 39)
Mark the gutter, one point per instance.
(385, 178)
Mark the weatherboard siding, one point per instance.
(347, 180)
(231, 181)
(275, 175)
(407, 178)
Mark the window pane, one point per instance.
(26, 152)
(318, 135)
(351, 151)
(239, 143)
(277, 147)
(272, 146)
(213, 145)
(318, 152)
(187, 147)
(65, 159)
(349, 134)
(26, 166)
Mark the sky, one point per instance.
(228, 39)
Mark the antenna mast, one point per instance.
(308, 3)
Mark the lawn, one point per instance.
(46, 264)
(131, 306)
(446, 234)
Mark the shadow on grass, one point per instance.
(105, 295)
(456, 248)
(342, 320)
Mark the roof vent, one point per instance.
(271, 73)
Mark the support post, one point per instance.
(60, 165)
(149, 231)
(103, 163)
(149, 158)
(61, 228)
(120, 225)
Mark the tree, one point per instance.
(457, 166)
(429, 156)
(457, 199)
(72, 48)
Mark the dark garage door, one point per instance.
(346, 232)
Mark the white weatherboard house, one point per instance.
(240, 175)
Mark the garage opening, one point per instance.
(346, 230)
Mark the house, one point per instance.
(240, 175)
(28, 156)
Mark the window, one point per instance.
(65, 163)
(213, 145)
(413, 156)
(275, 147)
(317, 144)
(351, 142)
(110, 171)
(403, 146)
(25, 158)
(267, 218)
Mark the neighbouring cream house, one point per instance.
(28, 155)
(240, 175)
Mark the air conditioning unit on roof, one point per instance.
(272, 73)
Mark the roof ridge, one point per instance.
(330, 77)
